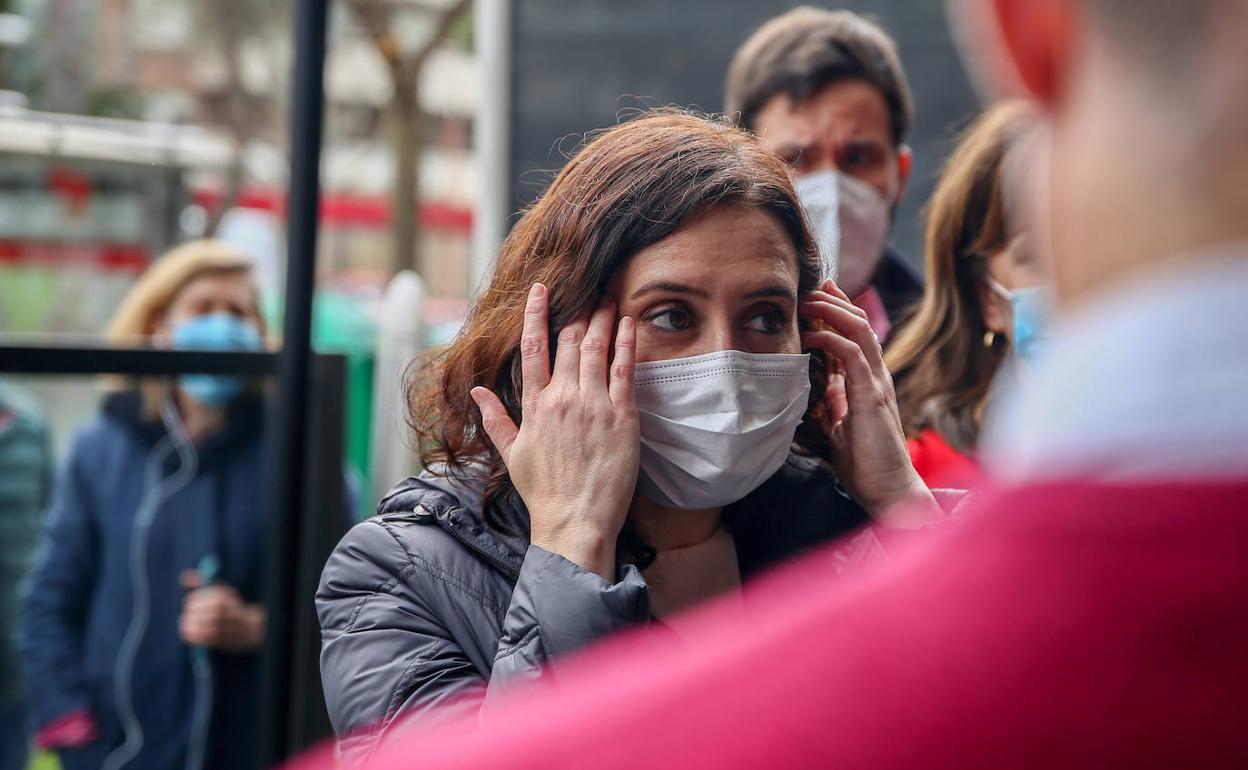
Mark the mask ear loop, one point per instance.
(997, 288)
(996, 343)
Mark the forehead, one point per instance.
(724, 246)
(842, 110)
(235, 286)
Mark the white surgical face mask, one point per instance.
(850, 224)
(714, 427)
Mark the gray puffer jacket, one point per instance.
(424, 609)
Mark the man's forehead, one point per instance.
(845, 110)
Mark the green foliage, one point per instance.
(116, 102)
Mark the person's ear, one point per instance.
(994, 310)
(905, 162)
(1038, 39)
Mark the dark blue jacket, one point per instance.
(25, 483)
(80, 599)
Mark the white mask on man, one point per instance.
(849, 220)
(716, 426)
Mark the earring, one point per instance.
(990, 339)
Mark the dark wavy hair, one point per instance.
(629, 187)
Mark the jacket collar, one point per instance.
(453, 502)
(815, 509)
(244, 422)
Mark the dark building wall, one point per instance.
(584, 64)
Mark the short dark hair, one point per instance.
(801, 51)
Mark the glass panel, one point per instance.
(126, 128)
(143, 566)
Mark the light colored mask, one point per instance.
(714, 427)
(1030, 307)
(850, 224)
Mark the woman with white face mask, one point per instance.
(653, 400)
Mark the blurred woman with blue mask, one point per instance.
(985, 305)
(654, 400)
(144, 621)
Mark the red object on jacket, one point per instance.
(940, 465)
(71, 731)
(1053, 627)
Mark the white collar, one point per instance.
(1147, 381)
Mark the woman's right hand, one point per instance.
(575, 455)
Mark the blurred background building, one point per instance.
(129, 125)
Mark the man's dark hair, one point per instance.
(802, 51)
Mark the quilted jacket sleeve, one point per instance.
(398, 619)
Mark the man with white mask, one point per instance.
(1093, 612)
(825, 90)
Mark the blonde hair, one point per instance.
(150, 297)
(939, 359)
(156, 289)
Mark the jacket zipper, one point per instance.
(421, 515)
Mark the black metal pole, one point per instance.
(289, 429)
(28, 359)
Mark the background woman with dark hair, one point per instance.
(627, 425)
(980, 269)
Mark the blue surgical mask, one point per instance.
(1030, 308)
(216, 331)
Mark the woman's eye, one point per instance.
(673, 319)
(770, 322)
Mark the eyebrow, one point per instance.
(669, 286)
(775, 290)
(798, 149)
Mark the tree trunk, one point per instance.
(405, 223)
(239, 115)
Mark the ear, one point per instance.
(1038, 39)
(905, 162)
(995, 311)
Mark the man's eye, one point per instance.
(673, 319)
(856, 159)
(770, 322)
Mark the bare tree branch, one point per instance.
(440, 32)
(376, 18)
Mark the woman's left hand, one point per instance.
(868, 444)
